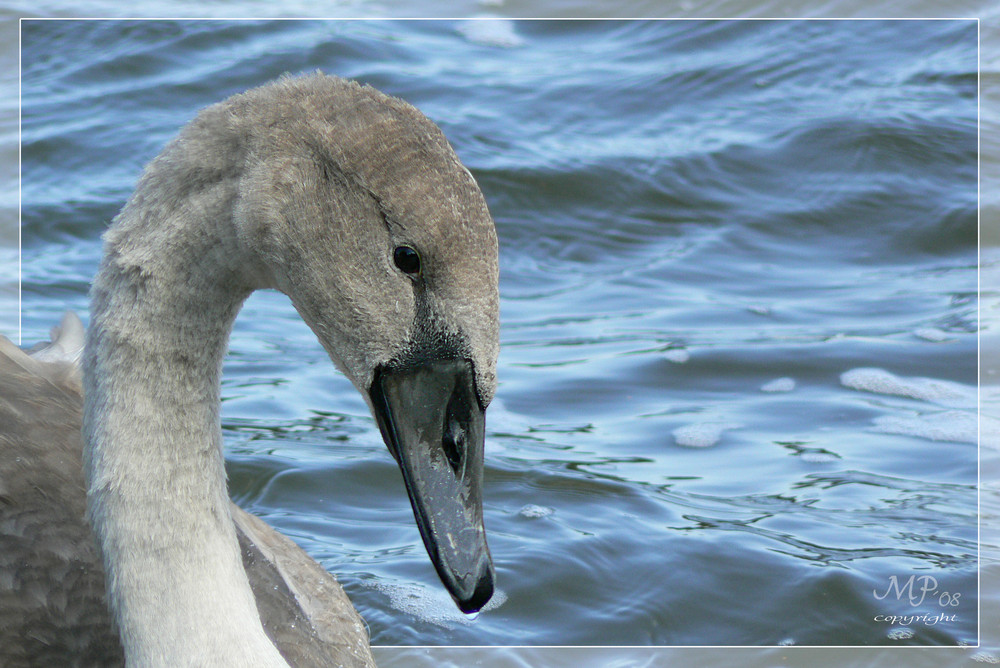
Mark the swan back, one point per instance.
(53, 609)
(52, 602)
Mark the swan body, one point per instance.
(317, 187)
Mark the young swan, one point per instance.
(353, 204)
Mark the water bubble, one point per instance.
(492, 32)
(931, 334)
(431, 604)
(677, 355)
(531, 511)
(701, 434)
(779, 385)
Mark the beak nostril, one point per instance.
(453, 443)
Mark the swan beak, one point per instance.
(433, 424)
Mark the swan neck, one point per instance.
(163, 304)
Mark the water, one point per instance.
(738, 279)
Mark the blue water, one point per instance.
(738, 291)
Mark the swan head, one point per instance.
(354, 205)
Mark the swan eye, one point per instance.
(407, 259)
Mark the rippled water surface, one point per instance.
(738, 280)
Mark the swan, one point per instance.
(354, 205)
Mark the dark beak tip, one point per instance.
(480, 596)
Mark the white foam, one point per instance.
(880, 381)
(677, 355)
(432, 604)
(701, 434)
(491, 32)
(779, 385)
(954, 426)
(983, 656)
(531, 511)
(931, 334)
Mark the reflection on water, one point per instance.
(739, 317)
